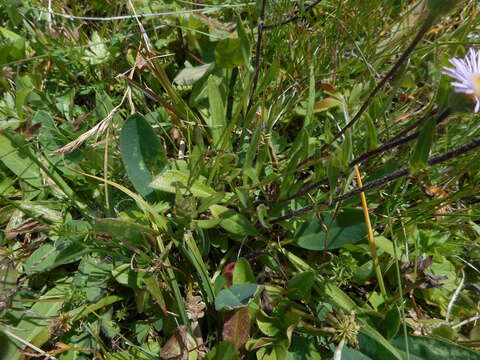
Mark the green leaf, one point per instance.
(390, 325)
(216, 121)
(433, 348)
(33, 329)
(223, 351)
(97, 52)
(128, 277)
(17, 159)
(228, 53)
(300, 286)
(244, 43)
(424, 143)
(242, 273)
(232, 221)
(373, 344)
(67, 249)
(347, 227)
(142, 153)
(352, 354)
(12, 47)
(49, 256)
(302, 348)
(277, 351)
(372, 133)
(236, 296)
(190, 75)
(175, 179)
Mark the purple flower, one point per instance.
(466, 72)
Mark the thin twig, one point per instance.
(367, 155)
(399, 141)
(383, 180)
(381, 84)
(465, 322)
(454, 297)
(293, 17)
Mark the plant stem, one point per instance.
(371, 238)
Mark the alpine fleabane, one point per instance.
(466, 72)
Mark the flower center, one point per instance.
(476, 85)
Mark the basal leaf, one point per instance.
(347, 227)
(172, 180)
(236, 296)
(142, 153)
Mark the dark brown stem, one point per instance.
(293, 17)
(383, 180)
(382, 82)
(399, 141)
(365, 156)
(260, 28)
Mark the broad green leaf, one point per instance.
(277, 351)
(12, 47)
(40, 208)
(142, 153)
(17, 159)
(271, 326)
(66, 249)
(236, 296)
(347, 227)
(373, 344)
(338, 297)
(244, 43)
(153, 287)
(228, 53)
(172, 180)
(242, 273)
(300, 286)
(390, 324)
(190, 75)
(232, 221)
(50, 256)
(434, 348)
(216, 121)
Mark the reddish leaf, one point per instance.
(237, 328)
